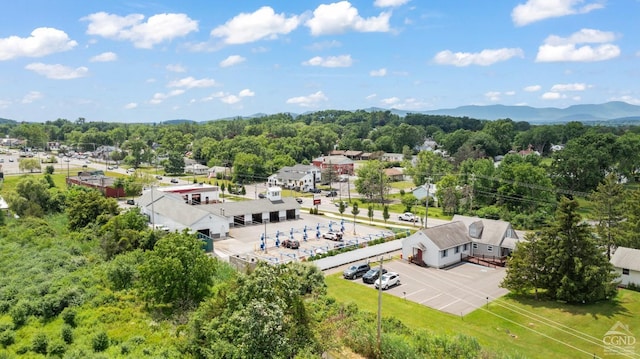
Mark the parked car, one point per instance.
(131, 202)
(346, 205)
(332, 194)
(261, 195)
(333, 236)
(373, 274)
(158, 177)
(174, 180)
(299, 200)
(315, 190)
(388, 280)
(291, 243)
(356, 270)
(407, 216)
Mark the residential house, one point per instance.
(440, 246)
(491, 238)
(338, 164)
(392, 157)
(626, 262)
(303, 177)
(395, 173)
(428, 145)
(354, 155)
(421, 192)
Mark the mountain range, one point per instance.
(615, 112)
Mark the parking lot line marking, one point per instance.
(455, 301)
(416, 292)
(434, 297)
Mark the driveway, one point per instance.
(458, 290)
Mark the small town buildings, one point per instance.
(392, 157)
(626, 262)
(491, 238)
(439, 246)
(339, 164)
(197, 193)
(97, 180)
(301, 177)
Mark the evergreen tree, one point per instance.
(630, 227)
(608, 204)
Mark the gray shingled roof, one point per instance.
(172, 206)
(626, 258)
(493, 230)
(448, 235)
(252, 206)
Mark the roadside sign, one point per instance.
(316, 201)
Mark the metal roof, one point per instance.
(628, 258)
(361, 254)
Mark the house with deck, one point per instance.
(439, 246)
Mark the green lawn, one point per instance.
(534, 329)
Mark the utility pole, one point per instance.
(380, 307)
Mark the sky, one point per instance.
(153, 61)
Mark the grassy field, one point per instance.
(515, 326)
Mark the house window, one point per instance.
(444, 253)
(475, 246)
(465, 247)
(625, 271)
(489, 248)
(457, 250)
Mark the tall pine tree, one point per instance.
(608, 208)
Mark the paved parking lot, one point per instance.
(458, 290)
(246, 240)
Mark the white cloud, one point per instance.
(389, 101)
(264, 23)
(43, 41)
(509, 93)
(493, 95)
(176, 68)
(484, 58)
(57, 71)
(31, 96)
(159, 97)
(569, 87)
(536, 10)
(553, 96)
(378, 73)
(626, 98)
(4, 103)
(232, 60)
(105, 57)
(330, 61)
(324, 45)
(340, 17)
(389, 3)
(556, 49)
(190, 82)
(371, 97)
(157, 29)
(230, 99)
(532, 88)
(246, 93)
(130, 106)
(308, 101)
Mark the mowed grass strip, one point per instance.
(509, 325)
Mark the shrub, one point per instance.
(67, 333)
(20, 313)
(7, 337)
(57, 348)
(39, 343)
(100, 342)
(69, 316)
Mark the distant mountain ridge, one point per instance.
(613, 111)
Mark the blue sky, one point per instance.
(128, 61)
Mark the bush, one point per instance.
(69, 316)
(100, 342)
(57, 348)
(20, 313)
(7, 337)
(67, 333)
(39, 343)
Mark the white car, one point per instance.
(388, 280)
(407, 216)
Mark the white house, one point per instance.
(303, 176)
(490, 237)
(171, 211)
(439, 246)
(626, 262)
